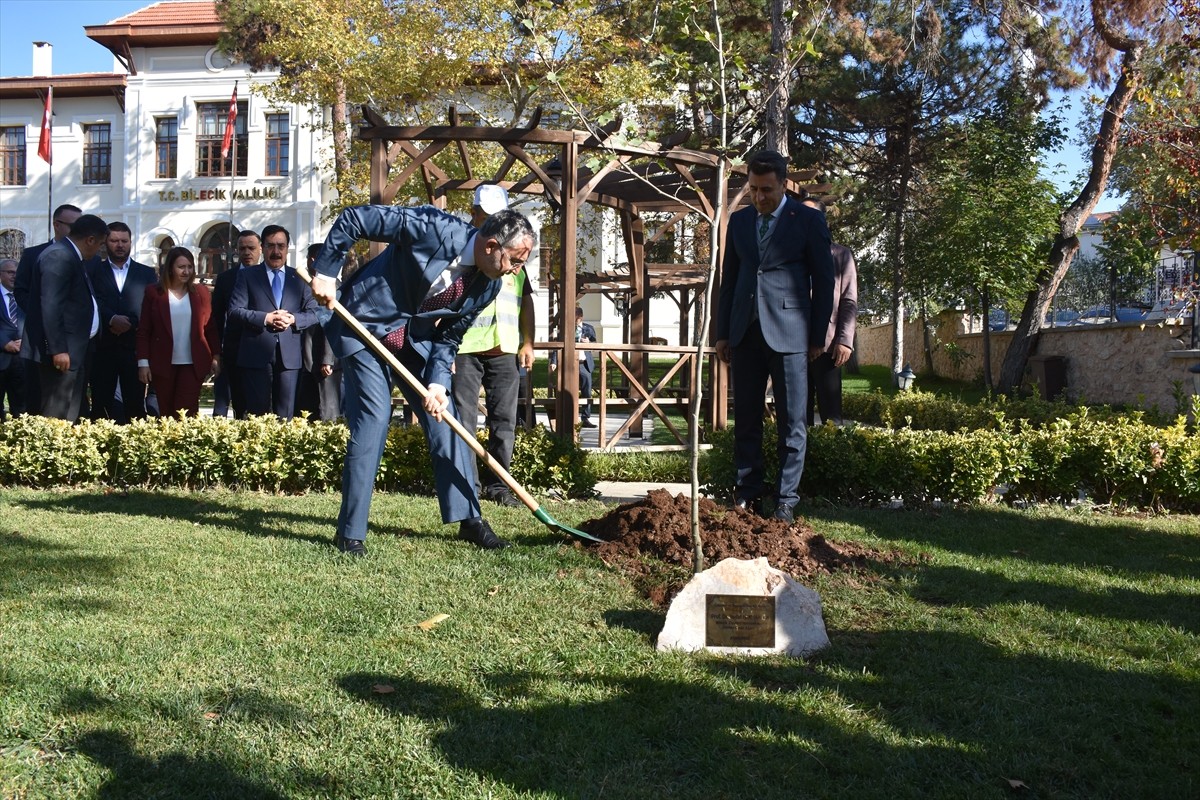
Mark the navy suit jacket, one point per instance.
(127, 302)
(387, 291)
(790, 283)
(25, 269)
(222, 291)
(60, 314)
(249, 305)
(10, 331)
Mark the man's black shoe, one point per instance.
(784, 514)
(479, 533)
(587, 423)
(351, 547)
(753, 506)
(503, 497)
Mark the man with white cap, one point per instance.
(494, 350)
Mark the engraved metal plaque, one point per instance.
(739, 620)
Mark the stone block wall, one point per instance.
(1123, 363)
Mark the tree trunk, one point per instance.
(1066, 241)
(779, 83)
(341, 136)
(985, 299)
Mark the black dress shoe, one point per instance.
(784, 514)
(503, 497)
(351, 547)
(479, 533)
(587, 423)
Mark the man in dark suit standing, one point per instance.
(63, 318)
(270, 307)
(775, 304)
(319, 389)
(62, 219)
(584, 332)
(12, 329)
(419, 296)
(120, 284)
(825, 372)
(227, 387)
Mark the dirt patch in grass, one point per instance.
(651, 541)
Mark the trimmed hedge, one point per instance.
(260, 453)
(1122, 461)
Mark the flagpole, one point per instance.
(232, 260)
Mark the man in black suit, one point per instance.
(63, 218)
(12, 329)
(319, 389)
(227, 388)
(269, 307)
(119, 283)
(63, 318)
(775, 305)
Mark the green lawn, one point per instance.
(213, 645)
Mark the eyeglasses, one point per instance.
(515, 264)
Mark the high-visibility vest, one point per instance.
(499, 324)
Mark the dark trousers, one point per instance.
(753, 363)
(320, 396)
(111, 366)
(62, 392)
(271, 389)
(12, 387)
(500, 379)
(33, 394)
(228, 391)
(825, 387)
(585, 391)
(221, 393)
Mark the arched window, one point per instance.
(164, 246)
(218, 250)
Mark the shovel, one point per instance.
(390, 359)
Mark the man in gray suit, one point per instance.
(825, 372)
(773, 315)
(63, 318)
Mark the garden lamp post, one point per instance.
(904, 380)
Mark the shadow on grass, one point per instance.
(1000, 532)
(896, 714)
(32, 564)
(174, 774)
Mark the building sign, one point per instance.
(201, 195)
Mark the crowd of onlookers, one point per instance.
(87, 332)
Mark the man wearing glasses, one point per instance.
(419, 296)
(64, 217)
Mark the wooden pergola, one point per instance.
(570, 168)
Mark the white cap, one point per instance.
(491, 198)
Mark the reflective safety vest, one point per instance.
(499, 324)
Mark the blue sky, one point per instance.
(61, 22)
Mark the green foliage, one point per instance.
(260, 453)
(668, 467)
(1123, 461)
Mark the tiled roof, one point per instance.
(186, 12)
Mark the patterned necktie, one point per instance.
(14, 311)
(443, 299)
(277, 287)
(764, 229)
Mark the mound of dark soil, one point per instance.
(659, 528)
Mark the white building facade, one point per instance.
(142, 144)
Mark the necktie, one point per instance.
(14, 311)
(764, 229)
(277, 287)
(443, 299)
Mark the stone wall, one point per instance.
(1123, 363)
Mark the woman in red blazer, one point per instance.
(178, 344)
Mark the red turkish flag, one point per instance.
(44, 146)
(229, 124)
